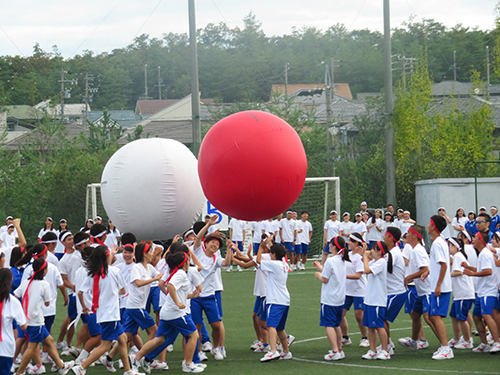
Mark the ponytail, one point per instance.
(339, 244)
(389, 262)
(382, 247)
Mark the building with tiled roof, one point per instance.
(341, 89)
(150, 107)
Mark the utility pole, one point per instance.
(454, 65)
(488, 71)
(160, 83)
(146, 81)
(195, 88)
(65, 94)
(389, 128)
(287, 65)
(329, 121)
(87, 98)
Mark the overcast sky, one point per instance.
(99, 26)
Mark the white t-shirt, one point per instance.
(359, 227)
(419, 259)
(59, 246)
(462, 286)
(196, 280)
(12, 310)
(407, 250)
(456, 222)
(183, 287)
(8, 240)
(303, 237)
(487, 285)
(396, 279)
(259, 288)
(43, 231)
(238, 226)
(446, 231)
(112, 238)
(288, 228)
(440, 254)
(138, 296)
(51, 258)
(357, 287)
(126, 269)
(39, 293)
(333, 229)
(333, 292)
(210, 266)
(269, 226)
(385, 225)
(277, 230)
(81, 276)
(53, 277)
(347, 227)
(8, 252)
(4, 229)
(109, 288)
(373, 233)
(257, 231)
(277, 275)
(68, 265)
(472, 259)
(376, 286)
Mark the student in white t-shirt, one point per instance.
(48, 227)
(107, 285)
(472, 255)
(446, 230)
(63, 226)
(459, 221)
(376, 267)
(333, 279)
(277, 299)
(257, 231)
(237, 230)
(347, 226)
(374, 228)
(288, 234)
(277, 237)
(332, 228)
(8, 238)
(304, 235)
(355, 289)
(463, 297)
(10, 311)
(359, 225)
(487, 293)
(35, 292)
(113, 235)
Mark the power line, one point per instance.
(327, 14)
(147, 19)
(216, 7)
(8, 37)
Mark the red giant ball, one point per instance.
(252, 165)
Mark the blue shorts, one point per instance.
(439, 305)
(276, 316)
(262, 314)
(305, 248)
(327, 248)
(171, 328)
(153, 299)
(485, 305)
(209, 306)
(240, 245)
(410, 298)
(289, 246)
(256, 247)
(37, 333)
(122, 315)
(394, 305)
(111, 331)
(358, 302)
(218, 297)
(135, 318)
(258, 304)
(49, 321)
(330, 316)
(5, 365)
(374, 316)
(460, 309)
(298, 248)
(370, 244)
(20, 333)
(72, 311)
(59, 255)
(421, 304)
(92, 325)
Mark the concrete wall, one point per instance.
(452, 193)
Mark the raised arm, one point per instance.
(199, 237)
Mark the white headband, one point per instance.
(466, 234)
(50, 241)
(82, 241)
(65, 235)
(455, 243)
(100, 234)
(356, 239)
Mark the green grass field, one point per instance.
(311, 344)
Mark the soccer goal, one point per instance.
(319, 196)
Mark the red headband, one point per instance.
(339, 248)
(36, 256)
(390, 235)
(98, 240)
(482, 239)
(146, 248)
(129, 245)
(380, 247)
(419, 236)
(174, 271)
(25, 300)
(434, 225)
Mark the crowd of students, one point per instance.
(112, 288)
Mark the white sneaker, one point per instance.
(482, 348)
(270, 356)
(203, 356)
(54, 368)
(462, 344)
(452, 343)
(133, 372)
(489, 338)
(369, 355)
(333, 356)
(262, 348)
(216, 352)
(364, 343)
(383, 355)
(238, 268)
(134, 363)
(230, 269)
(223, 351)
(495, 347)
(120, 363)
(284, 355)
(255, 344)
(157, 365)
(170, 348)
(61, 345)
(422, 344)
(407, 342)
(75, 352)
(207, 346)
(389, 347)
(446, 353)
(290, 339)
(293, 267)
(46, 358)
(109, 365)
(13, 369)
(78, 370)
(34, 369)
(67, 367)
(346, 342)
(191, 368)
(145, 365)
(342, 354)
(65, 352)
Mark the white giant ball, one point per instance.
(150, 187)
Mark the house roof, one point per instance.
(23, 112)
(73, 110)
(121, 117)
(150, 107)
(179, 130)
(341, 89)
(465, 104)
(461, 89)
